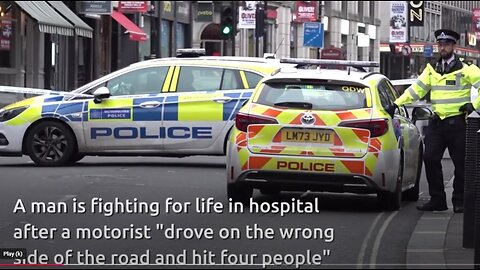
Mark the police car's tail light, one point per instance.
(243, 120)
(377, 127)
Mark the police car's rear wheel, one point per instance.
(239, 193)
(50, 144)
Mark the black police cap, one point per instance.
(447, 35)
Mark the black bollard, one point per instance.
(477, 209)
(473, 125)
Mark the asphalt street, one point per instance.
(349, 231)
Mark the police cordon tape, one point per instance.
(36, 91)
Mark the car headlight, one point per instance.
(6, 115)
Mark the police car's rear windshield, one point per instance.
(321, 96)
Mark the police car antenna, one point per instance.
(279, 46)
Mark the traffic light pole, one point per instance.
(265, 10)
(235, 21)
(257, 47)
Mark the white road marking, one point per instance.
(376, 245)
(363, 248)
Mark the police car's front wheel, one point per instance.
(50, 143)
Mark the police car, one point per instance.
(325, 130)
(165, 107)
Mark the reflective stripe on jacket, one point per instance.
(448, 91)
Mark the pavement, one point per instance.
(437, 240)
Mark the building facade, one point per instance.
(455, 15)
(86, 42)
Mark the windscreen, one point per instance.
(315, 96)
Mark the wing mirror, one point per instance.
(421, 113)
(101, 94)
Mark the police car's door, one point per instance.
(205, 100)
(131, 119)
(403, 127)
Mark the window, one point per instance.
(393, 94)
(318, 95)
(383, 93)
(231, 80)
(252, 79)
(199, 79)
(141, 81)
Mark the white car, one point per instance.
(325, 130)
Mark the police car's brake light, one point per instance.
(243, 120)
(377, 127)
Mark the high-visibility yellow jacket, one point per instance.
(448, 91)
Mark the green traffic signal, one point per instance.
(226, 30)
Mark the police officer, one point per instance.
(449, 84)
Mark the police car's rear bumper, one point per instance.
(294, 181)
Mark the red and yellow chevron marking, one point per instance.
(354, 166)
(375, 144)
(370, 163)
(241, 139)
(303, 164)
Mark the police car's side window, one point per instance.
(231, 80)
(141, 81)
(252, 79)
(199, 79)
(383, 95)
(394, 94)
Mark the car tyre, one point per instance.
(76, 158)
(412, 194)
(239, 193)
(50, 144)
(392, 201)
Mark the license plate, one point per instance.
(311, 136)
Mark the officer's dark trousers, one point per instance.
(439, 135)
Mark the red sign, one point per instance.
(132, 6)
(476, 22)
(333, 53)
(306, 11)
(5, 35)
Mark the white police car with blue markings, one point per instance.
(160, 107)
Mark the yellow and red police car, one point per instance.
(325, 130)
(164, 107)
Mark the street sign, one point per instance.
(406, 50)
(428, 50)
(313, 34)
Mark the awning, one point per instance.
(81, 28)
(136, 33)
(49, 21)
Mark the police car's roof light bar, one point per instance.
(346, 63)
(190, 52)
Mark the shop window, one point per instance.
(166, 39)
(180, 35)
(6, 37)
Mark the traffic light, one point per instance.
(226, 25)
(259, 23)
